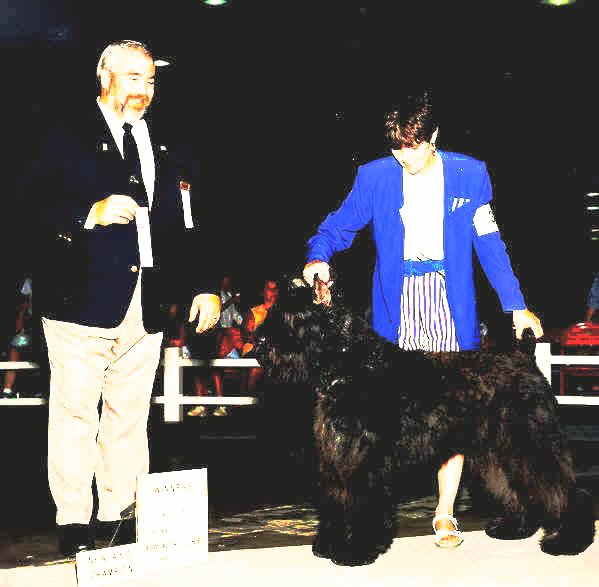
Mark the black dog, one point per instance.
(380, 409)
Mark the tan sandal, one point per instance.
(441, 533)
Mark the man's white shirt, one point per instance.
(141, 134)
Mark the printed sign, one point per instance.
(172, 530)
(108, 566)
(172, 516)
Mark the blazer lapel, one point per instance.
(105, 143)
(449, 183)
(160, 150)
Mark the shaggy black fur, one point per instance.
(379, 409)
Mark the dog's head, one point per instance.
(296, 335)
(302, 341)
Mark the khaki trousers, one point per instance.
(116, 366)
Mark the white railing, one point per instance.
(173, 398)
(17, 365)
(545, 360)
(20, 401)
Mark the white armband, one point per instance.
(484, 221)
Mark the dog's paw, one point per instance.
(510, 528)
(344, 555)
(322, 548)
(560, 543)
(353, 559)
(576, 531)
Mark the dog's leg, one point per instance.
(356, 510)
(575, 530)
(532, 472)
(546, 476)
(516, 521)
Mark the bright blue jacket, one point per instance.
(376, 198)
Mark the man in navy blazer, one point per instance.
(116, 208)
(429, 211)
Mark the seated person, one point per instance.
(592, 300)
(252, 321)
(21, 343)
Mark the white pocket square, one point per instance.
(458, 203)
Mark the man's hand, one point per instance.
(526, 319)
(115, 209)
(207, 306)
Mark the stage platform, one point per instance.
(411, 562)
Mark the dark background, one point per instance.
(283, 99)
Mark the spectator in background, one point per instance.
(21, 343)
(252, 321)
(228, 345)
(230, 316)
(592, 300)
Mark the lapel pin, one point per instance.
(185, 186)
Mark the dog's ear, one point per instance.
(294, 293)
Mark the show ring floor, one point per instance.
(411, 561)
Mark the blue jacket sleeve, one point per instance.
(339, 228)
(493, 257)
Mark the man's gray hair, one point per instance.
(107, 54)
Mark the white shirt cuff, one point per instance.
(89, 223)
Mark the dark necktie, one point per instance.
(131, 158)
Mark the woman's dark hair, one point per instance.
(411, 121)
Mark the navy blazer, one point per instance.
(88, 276)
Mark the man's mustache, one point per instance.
(138, 101)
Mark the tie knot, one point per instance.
(127, 128)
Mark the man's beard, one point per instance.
(135, 107)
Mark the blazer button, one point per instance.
(133, 269)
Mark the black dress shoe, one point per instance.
(117, 532)
(74, 538)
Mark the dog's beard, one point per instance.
(289, 346)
